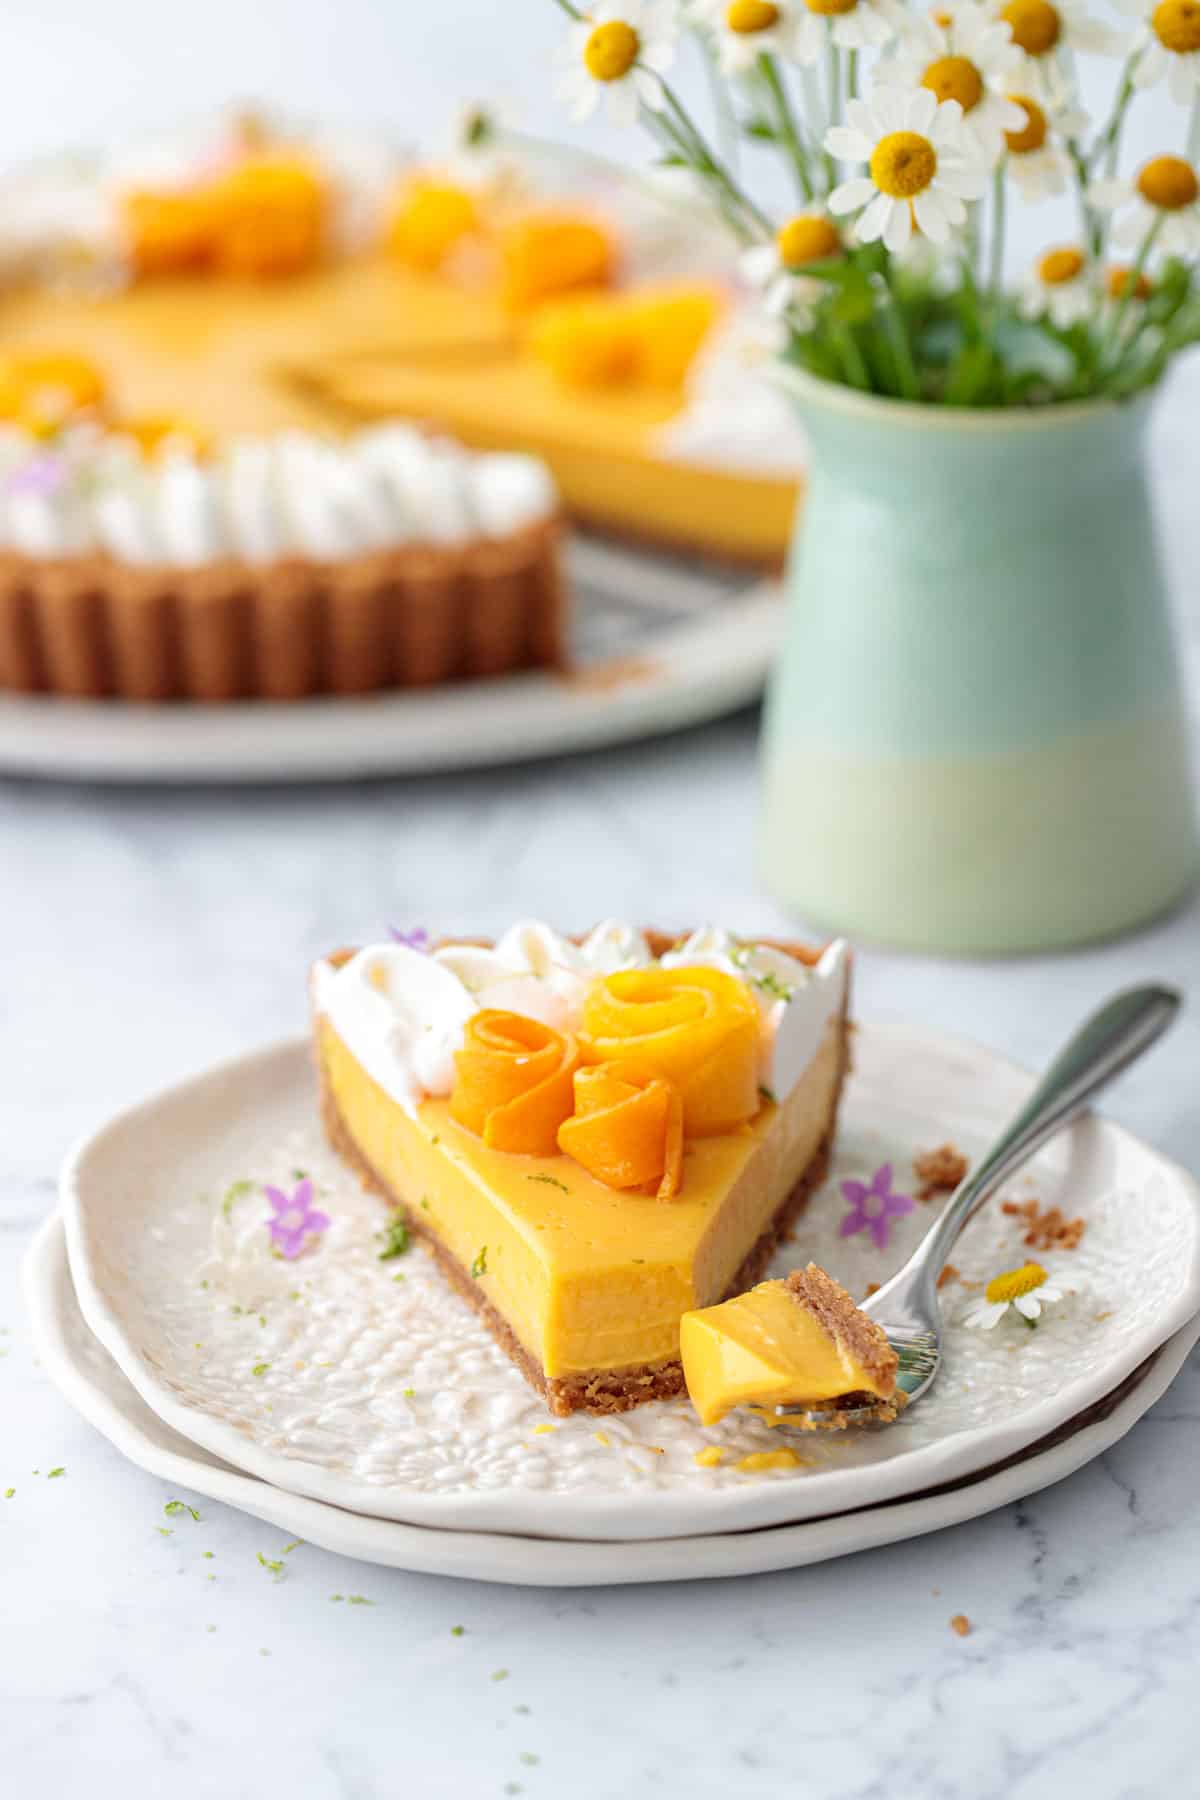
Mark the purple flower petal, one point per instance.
(278, 1199)
(853, 1221)
(303, 1196)
(881, 1181)
(417, 939)
(854, 1192)
(317, 1221)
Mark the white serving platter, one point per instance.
(331, 1379)
(660, 644)
(91, 1382)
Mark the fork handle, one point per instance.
(1103, 1047)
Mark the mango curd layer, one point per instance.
(588, 1278)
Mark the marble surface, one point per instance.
(147, 933)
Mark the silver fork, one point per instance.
(907, 1305)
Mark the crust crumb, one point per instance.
(872, 1288)
(948, 1274)
(836, 1312)
(1048, 1230)
(939, 1171)
(961, 1624)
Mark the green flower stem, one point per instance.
(1113, 339)
(1092, 229)
(789, 131)
(852, 75)
(832, 71)
(893, 322)
(996, 271)
(857, 373)
(699, 153)
(722, 106)
(1108, 143)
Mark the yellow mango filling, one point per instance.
(588, 1277)
(767, 1348)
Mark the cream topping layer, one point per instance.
(259, 499)
(402, 1011)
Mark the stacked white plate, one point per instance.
(356, 1402)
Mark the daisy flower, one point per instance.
(809, 237)
(1059, 287)
(618, 52)
(1042, 29)
(1026, 1290)
(852, 24)
(921, 164)
(1037, 161)
(744, 30)
(968, 56)
(1170, 45)
(1164, 193)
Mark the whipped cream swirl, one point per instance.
(402, 1012)
(259, 500)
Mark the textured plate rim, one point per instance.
(606, 1516)
(700, 670)
(551, 1562)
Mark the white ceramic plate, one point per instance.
(332, 1378)
(660, 644)
(89, 1379)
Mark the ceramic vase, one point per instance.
(975, 740)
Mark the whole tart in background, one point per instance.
(139, 563)
(256, 278)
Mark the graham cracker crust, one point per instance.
(608, 1390)
(836, 1312)
(92, 627)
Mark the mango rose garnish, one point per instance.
(514, 1082)
(625, 1131)
(694, 1027)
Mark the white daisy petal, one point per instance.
(851, 194)
(931, 217)
(898, 229)
(858, 113)
(1028, 1305)
(848, 144)
(920, 110)
(874, 220)
(888, 106)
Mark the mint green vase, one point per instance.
(975, 741)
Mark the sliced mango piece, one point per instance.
(626, 1132)
(513, 1084)
(695, 1027)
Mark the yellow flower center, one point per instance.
(1117, 282)
(955, 78)
(1014, 1282)
(611, 51)
(1058, 266)
(747, 17)
(1032, 134)
(830, 7)
(943, 20)
(807, 238)
(1036, 25)
(1176, 25)
(903, 164)
(1168, 183)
